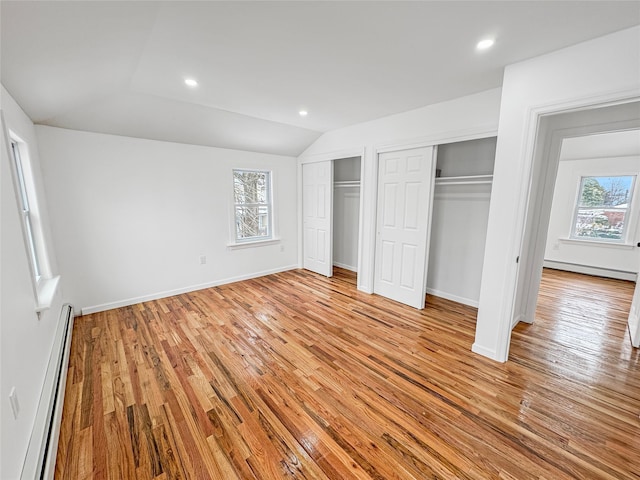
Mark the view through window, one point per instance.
(25, 210)
(602, 210)
(252, 198)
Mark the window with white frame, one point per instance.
(25, 201)
(602, 211)
(252, 205)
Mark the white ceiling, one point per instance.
(118, 67)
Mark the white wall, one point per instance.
(462, 118)
(132, 217)
(604, 69)
(622, 258)
(26, 338)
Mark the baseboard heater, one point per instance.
(40, 460)
(588, 270)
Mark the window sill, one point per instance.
(253, 243)
(597, 243)
(47, 289)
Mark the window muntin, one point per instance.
(252, 205)
(25, 210)
(602, 211)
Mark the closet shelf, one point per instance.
(465, 180)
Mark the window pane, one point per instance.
(26, 216)
(602, 207)
(250, 187)
(21, 183)
(32, 246)
(605, 191)
(607, 224)
(252, 221)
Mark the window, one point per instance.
(44, 284)
(252, 204)
(602, 209)
(27, 216)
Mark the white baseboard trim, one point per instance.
(453, 298)
(351, 268)
(170, 293)
(588, 270)
(486, 352)
(517, 319)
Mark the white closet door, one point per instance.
(405, 199)
(317, 188)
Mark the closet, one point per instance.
(464, 171)
(331, 218)
(346, 212)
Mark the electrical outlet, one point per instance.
(203, 259)
(556, 246)
(282, 248)
(15, 405)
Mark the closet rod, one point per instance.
(346, 184)
(465, 182)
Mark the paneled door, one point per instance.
(405, 198)
(317, 218)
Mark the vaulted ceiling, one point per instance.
(119, 67)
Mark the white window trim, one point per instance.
(597, 243)
(627, 240)
(235, 242)
(44, 284)
(253, 243)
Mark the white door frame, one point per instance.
(548, 126)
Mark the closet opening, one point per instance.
(464, 172)
(346, 212)
(331, 214)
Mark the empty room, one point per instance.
(320, 240)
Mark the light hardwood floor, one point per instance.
(298, 376)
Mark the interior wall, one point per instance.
(622, 258)
(473, 115)
(607, 68)
(26, 339)
(459, 221)
(346, 213)
(132, 217)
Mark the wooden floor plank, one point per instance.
(296, 376)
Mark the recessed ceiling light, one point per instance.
(486, 43)
(190, 82)
(303, 113)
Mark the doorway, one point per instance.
(552, 131)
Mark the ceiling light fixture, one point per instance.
(303, 113)
(190, 82)
(486, 43)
